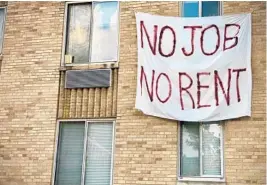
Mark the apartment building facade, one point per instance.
(67, 101)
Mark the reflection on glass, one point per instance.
(211, 152)
(190, 154)
(2, 19)
(105, 32)
(78, 33)
(210, 8)
(190, 9)
(70, 153)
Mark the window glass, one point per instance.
(190, 9)
(2, 23)
(99, 153)
(78, 32)
(105, 31)
(70, 154)
(201, 149)
(210, 8)
(190, 154)
(211, 149)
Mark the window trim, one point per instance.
(3, 32)
(86, 122)
(200, 8)
(205, 178)
(84, 151)
(64, 40)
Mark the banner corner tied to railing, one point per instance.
(194, 69)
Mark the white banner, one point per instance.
(194, 69)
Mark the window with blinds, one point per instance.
(201, 150)
(84, 154)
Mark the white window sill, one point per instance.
(77, 64)
(91, 63)
(201, 179)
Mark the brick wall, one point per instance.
(245, 139)
(29, 81)
(146, 147)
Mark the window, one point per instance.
(201, 143)
(201, 150)
(201, 8)
(84, 154)
(91, 33)
(2, 26)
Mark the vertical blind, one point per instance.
(70, 153)
(98, 160)
(105, 32)
(99, 153)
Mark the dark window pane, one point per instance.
(210, 8)
(190, 149)
(78, 32)
(190, 9)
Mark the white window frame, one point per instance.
(206, 178)
(3, 32)
(200, 8)
(91, 35)
(86, 122)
